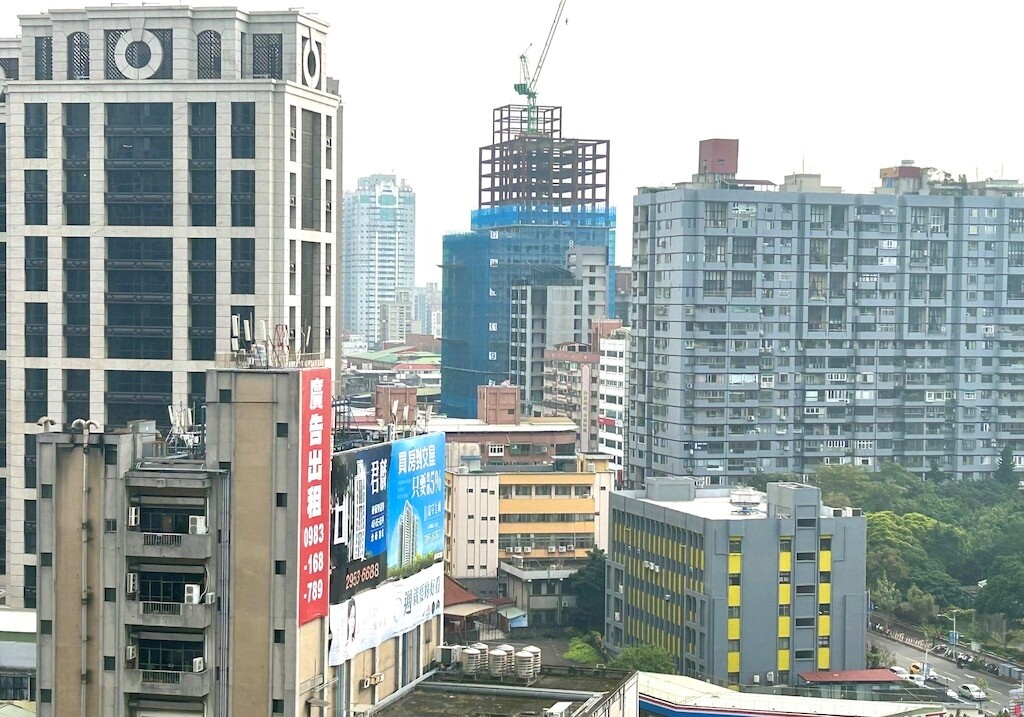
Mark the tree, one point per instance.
(935, 474)
(878, 656)
(920, 606)
(886, 596)
(587, 584)
(1004, 472)
(1001, 593)
(581, 651)
(645, 658)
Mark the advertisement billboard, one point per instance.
(366, 620)
(314, 492)
(387, 512)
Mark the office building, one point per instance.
(193, 590)
(395, 319)
(379, 250)
(167, 169)
(741, 587)
(774, 331)
(426, 308)
(540, 195)
(547, 518)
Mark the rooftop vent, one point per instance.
(745, 500)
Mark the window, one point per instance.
(733, 612)
(35, 264)
(784, 610)
(784, 577)
(804, 589)
(78, 56)
(44, 57)
(825, 543)
(243, 198)
(824, 609)
(825, 577)
(266, 56)
(783, 643)
(36, 329)
(734, 578)
(714, 283)
(208, 55)
(243, 266)
(803, 654)
(35, 130)
(495, 450)
(243, 130)
(714, 249)
(805, 557)
(35, 197)
(735, 545)
(280, 567)
(785, 545)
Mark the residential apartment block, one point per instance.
(741, 587)
(379, 255)
(613, 397)
(171, 179)
(170, 581)
(774, 331)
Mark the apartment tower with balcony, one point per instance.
(167, 169)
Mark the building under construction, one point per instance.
(540, 195)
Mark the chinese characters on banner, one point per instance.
(416, 502)
(314, 492)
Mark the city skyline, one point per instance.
(844, 110)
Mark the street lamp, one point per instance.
(955, 635)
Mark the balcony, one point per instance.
(184, 546)
(167, 682)
(168, 614)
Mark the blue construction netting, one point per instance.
(518, 215)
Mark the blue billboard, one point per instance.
(387, 512)
(415, 500)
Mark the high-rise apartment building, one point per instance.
(395, 318)
(773, 331)
(613, 397)
(379, 250)
(740, 586)
(190, 580)
(167, 168)
(541, 194)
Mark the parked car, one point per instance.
(898, 671)
(916, 680)
(915, 668)
(972, 692)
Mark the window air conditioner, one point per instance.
(132, 583)
(130, 652)
(134, 513)
(551, 548)
(198, 664)
(197, 525)
(365, 683)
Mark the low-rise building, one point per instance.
(18, 630)
(738, 585)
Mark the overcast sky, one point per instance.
(842, 88)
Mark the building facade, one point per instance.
(777, 331)
(379, 250)
(172, 174)
(541, 194)
(741, 587)
(613, 398)
(570, 389)
(395, 318)
(194, 593)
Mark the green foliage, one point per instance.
(1004, 472)
(645, 658)
(885, 595)
(587, 584)
(1002, 592)
(880, 657)
(581, 651)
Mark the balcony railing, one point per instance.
(161, 608)
(163, 677)
(157, 540)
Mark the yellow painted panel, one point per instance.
(824, 625)
(785, 594)
(822, 658)
(785, 562)
(784, 626)
(825, 592)
(734, 595)
(733, 662)
(825, 560)
(735, 562)
(733, 632)
(783, 659)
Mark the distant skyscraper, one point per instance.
(540, 195)
(379, 255)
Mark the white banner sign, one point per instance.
(389, 610)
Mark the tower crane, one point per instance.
(527, 86)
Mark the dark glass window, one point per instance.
(76, 163)
(30, 590)
(202, 299)
(35, 130)
(76, 394)
(3, 177)
(243, 266)
(36, 398)
(208, 55)
(197, 393)
(203, 164)
(243, 130)
(243, 198)
(139, 164)
(30, 527)
(44, 58)
(266, 56)
(35, 197)
(139, 298)
(76, 297)
(30, 461)
(35, 263)
(137, 395)
(311, 189)
(78, 56)
(35, 331)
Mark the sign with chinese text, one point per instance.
(314, 492)
(416, 503)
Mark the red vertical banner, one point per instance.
(314, 492)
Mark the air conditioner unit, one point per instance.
(570, 546)
(617, 616)
(134, 513)
(130, 652)
(210, 598)
(197, 525)
(377, 677)
(198, 664)
(517, 549)
(561, 548)
(620, 588)
(552, 549)
(132, 583)
(527, 549)
(565, 603)
(329, 141)
(193, 593)
(293, 133)
(293, 200)
(328, 206)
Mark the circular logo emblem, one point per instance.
(138, 54)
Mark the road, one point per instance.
(948, 673)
